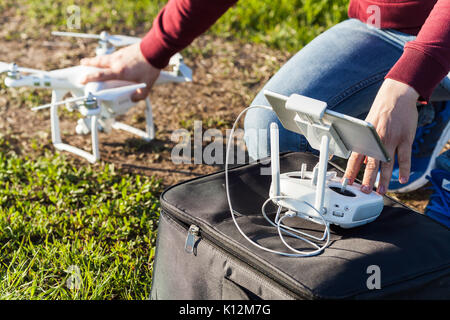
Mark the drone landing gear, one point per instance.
(56, 134)
(147, 135)
(90, 123)
(106, 124)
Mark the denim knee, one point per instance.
(257, 135)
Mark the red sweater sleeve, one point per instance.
(177, 25)
(426, 60)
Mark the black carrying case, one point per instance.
(201, 255)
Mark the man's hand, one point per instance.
(394, 116)
(125, 64)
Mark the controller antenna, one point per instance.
(275, 158)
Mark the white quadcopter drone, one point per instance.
(318, 196)
(99, 103)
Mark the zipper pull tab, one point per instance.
(191, 237)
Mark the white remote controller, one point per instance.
(343, 205)
(318, 195)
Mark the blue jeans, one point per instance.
(344, 66)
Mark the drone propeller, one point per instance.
(107, 95)
(7, 67)
(115, 40)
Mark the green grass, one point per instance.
(57, 216)
(54, 215)
(282, 24)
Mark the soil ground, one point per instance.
(227, 75)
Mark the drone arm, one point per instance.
(38, 82)
(168, 77)
(26, 81)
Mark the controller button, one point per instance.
(338, 214)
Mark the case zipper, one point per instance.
(191, 238)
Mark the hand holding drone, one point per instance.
(100, 101)
(127, 63)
